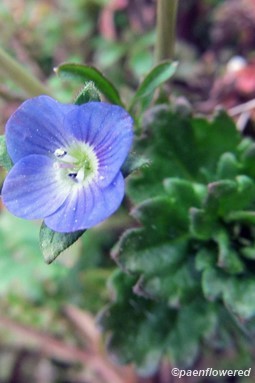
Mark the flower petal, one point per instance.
(37, 127)
(32, 190)
(87, 206)
(108, 129)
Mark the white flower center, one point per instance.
(77, 163)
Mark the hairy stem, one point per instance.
(166, 22)
(20, 76)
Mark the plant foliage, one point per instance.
(188, 267)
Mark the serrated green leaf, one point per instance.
(89, 73)
(176, 284)
(141, 330)
(161, 242)
(226, 196)
(156, 77)
(5, 160)
(209, 134)
(53, 243)
(136, 327)
(88, 93)
(180, 147)
(186, 192)
(158, 213)
(157, 251)
(140, 251)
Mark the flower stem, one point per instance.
(20, 76)
(166, 22)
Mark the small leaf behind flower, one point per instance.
(89, 73)
(87, 94)
(156, 77)
(5, 160)
(133, 163)
(53, 243)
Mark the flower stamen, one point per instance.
(81, 159)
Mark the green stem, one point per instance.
(166, 23)
(20, 75)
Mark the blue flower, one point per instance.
(67, 161)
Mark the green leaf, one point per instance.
(156, 77)
(143, 252)
(210, 145)
(158, 213)
(239, 297)
(176, 284)
(202, 225)
(205, 258)
(157, 252)
(136, 327)
(248, 252)
(229, 195)
(241, 216)
(228, 258)
(5, 160)
(133, 163)
(89, 73)
(53, 243)
(162, 144)
(248, 157)
(88, 93)
(141, 330)
(180, 146)
(160, 243)
(188, 331)
(213, 283)
(228, 166)
(246, 191)
(220, 195)
(186, 192)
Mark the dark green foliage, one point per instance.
(189, 263)
(145, 329)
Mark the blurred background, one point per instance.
(47, 330)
